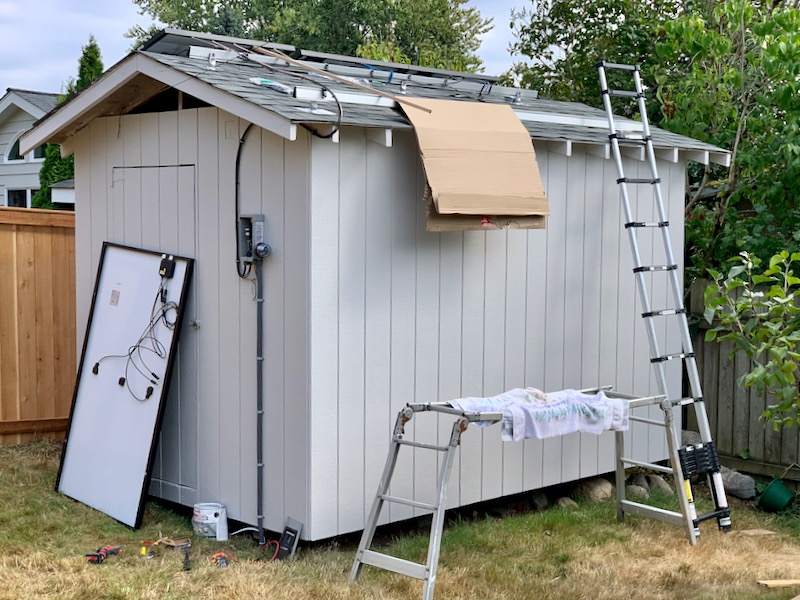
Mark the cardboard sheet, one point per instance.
(479, 160)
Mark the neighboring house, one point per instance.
(19, 173)
(364, 309)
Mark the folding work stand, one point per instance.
(427, 572)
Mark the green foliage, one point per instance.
(757, 309)
(55, 168)
(439, 33)
(726, 72)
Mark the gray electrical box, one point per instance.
(251, 234)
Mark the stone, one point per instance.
(565, 502)
(689, 437)
(596, 489)
(738, 484)
(639, 479)
(657, 482)
(539, 500)
(637, 491)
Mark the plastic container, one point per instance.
(210, 520)
(775, 497)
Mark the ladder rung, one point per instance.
(617, 66)
(655, 268)
(407, 502)
(644, 510)
(664, 313)
(647, 224)
(667, 357)
(638, 180)
(392, 563)
(685, 401)
(722, 512)
(629, 137)
(646, 465)
(422, 445)
(647, 421)
(624, 93)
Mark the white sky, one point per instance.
(41, 40)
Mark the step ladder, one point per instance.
(692, 460)
(426, 572)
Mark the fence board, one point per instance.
(37, 323)
(735, 412)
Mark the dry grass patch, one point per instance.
(554, 555)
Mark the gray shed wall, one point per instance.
(364, 312)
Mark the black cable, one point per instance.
(243, 272)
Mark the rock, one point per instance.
(596, 489)
(637, 491)
(657, 482)
(639, 479)
(539, 500)
(738, 484)
(565, 502)
(690, 437)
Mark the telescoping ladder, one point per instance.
(692, 460)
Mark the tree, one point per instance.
(722, 71)
(440, 33)
(55, 168)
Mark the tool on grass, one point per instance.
(148, 549)
(221, 559)
(102, 554)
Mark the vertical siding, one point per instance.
(166, 181)
(429, 317)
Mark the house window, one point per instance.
(13, 153)
(18, 198)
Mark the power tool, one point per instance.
(102, 554)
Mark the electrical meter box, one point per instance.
(251, 233)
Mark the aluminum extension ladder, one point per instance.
(426, 572)
(692, 460)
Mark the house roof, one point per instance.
(36, 104)
(278, 94)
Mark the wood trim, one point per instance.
(33, 426)
(37, 217)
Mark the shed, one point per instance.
(364, 309)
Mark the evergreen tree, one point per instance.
(55, 168)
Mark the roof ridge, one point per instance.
(11, 89)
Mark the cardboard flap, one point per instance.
(478, 159)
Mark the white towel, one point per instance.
(528, 413)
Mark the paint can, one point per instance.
(210, 520)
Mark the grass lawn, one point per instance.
(557, 554)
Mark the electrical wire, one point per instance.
(242, 271)
(147, 342)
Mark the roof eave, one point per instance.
(72, 116)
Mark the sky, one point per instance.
(41, 40)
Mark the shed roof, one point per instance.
(279, 95)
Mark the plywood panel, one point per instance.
(403, 242)
(494, 356)
(351, 319)
(426, 370)
(229, 292)
(515, 298)
(591, 266)
(273, 203)
(207, 285)
(451, 272)
(378, 416)
(325, 247)
(132, 224)
(557, 173)
(297, 408)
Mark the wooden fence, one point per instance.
(37, 323)
(744, 440)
